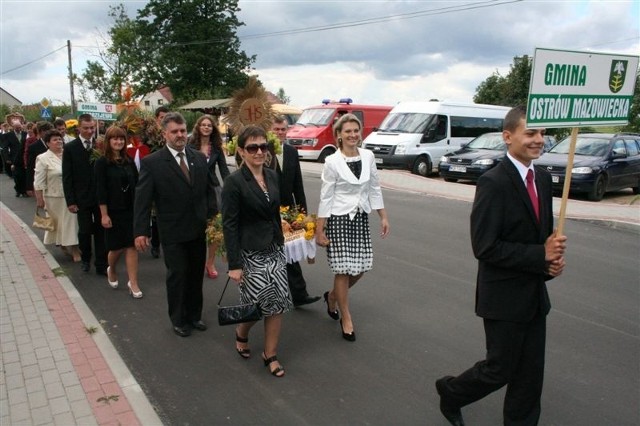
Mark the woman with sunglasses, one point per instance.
(255, 244)
(350, 191)
(206, 138)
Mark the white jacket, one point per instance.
(342, 193)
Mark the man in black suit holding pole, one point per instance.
(518, 250)
(178, 180)
(287, 165)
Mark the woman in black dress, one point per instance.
(206, 138)
(116, 177)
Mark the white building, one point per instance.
(151, 101)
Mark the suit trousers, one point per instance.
(185, 271)
(297, 284)
(515, 357)
(89, 224)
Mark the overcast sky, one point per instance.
(377, 52)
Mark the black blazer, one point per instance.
(250, 222)
(217, 158)
(291, 187)
(115, 183)
(508, 242)
(35, 149)
(14, 145)
(182, 208)
(77, 175)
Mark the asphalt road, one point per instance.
(414, 321)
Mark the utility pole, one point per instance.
(73, 98)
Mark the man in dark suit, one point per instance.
(287, 165)
(10, 143)
(33, 150)
(15, 141)
(517, 250)
(80, 193)
(177, 179)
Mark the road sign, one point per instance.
(98, 111)
(573, 89)
(44, 102)
(45, 113)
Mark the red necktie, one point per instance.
(532, 193)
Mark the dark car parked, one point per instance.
(474, 158)
(603, 162)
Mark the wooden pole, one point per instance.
(567, 181)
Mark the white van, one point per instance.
(414, 135)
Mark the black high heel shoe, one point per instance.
(333, 314)
(351, 337)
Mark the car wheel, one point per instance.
(450, 180)
(599, 187)
(422, 166)
(324, 154)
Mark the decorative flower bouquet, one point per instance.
(98, 149)
(214, 234)
(297, 223)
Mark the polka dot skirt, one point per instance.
(350, 251)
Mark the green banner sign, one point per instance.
(572, 89)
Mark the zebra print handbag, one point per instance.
(236, 314)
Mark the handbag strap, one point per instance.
(225, 289)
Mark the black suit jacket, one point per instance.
(77, 175)
(508, 242)
(182, 208)
(291, 187)
(217, 158)
(35, 149)
(250, 221)
(14, 145)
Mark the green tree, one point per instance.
(634, 116)
(283, 96)
(192, 47)
(117, 64)
(509, 90)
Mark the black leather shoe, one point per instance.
(452, 414)
(85, 266)
(155, 252)
(101, 271)
(305, 300)
(333, 314)
(199, 325)
(182, 331)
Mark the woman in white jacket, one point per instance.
(49, 194)
(350, 191)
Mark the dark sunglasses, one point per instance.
(254, 147)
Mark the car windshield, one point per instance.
(316, 116)
(596, 147)
(405, 122)
(488, 141)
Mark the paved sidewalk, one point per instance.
(54, 370)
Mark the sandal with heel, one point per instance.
(278, 371)
(244, 353)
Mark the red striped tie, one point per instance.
(532, 193)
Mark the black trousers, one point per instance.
(89, 225)
(185, 270)
(297, 284)
(515, 357)
(20, 180)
